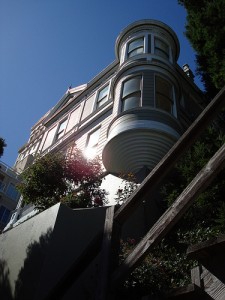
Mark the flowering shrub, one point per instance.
(129, 186)
(70, 179)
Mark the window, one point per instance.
(2, 185)
(102, 96)
(163, 95)
(135, 47)
(131, 93)
(161, 48)
(12, 191)
(61, 129)
(4, 214)
(92, 143)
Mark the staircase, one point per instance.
(208, 280)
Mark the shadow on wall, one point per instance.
(5, 288)
(29, 275)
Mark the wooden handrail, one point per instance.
(172, 215)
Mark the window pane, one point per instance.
(61, 130)
(62, 126)
(149, 43)
(164, 87)
(59, 135)
(161, 48)
(135, 52)
(6, 216)
(12, 191)
(2, 185)
(164, 94)
(135, 47)
(2, 210)
(130, 86)
(103, 100)
(131, 102)
(135, 44)
(103, 96)
(103, 93)
(163, 103)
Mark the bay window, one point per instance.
(148, 44)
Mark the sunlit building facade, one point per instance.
(130, 114)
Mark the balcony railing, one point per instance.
(8, 170)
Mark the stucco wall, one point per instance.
(35, 254)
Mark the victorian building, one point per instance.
(130, 114)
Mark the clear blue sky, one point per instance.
(48, 45)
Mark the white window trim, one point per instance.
(95, 147)
(57, 130)
(95, 106)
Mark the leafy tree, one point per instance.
(129, 185)
(2, 145)
(72, 180)
(205, 30)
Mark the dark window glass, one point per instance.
(130, 86)
(164, 94)
(2, 210)
(102, 96)
(131, 102)
(149, 43)
(12, 191)
(4, 214)
(131, 94)
(2, 185)
(135, 47)
(161, 48)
